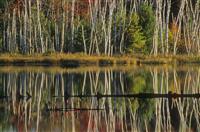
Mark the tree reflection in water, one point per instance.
(41, 100)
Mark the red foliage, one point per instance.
(16, 4)
(81, 6)
(173, 27)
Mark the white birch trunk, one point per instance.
(40, 27)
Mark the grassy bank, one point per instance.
(71, 60)
(170, 59)
(74, 60)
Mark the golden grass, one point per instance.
(57, 57)
(82, 59)
(57, 69)
(84, 69)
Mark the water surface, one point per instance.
(100, 99)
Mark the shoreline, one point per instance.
(76, 60)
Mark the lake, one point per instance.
(137, 98)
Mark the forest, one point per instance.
(100, 27)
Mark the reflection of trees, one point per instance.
(178, 114)
(119, 114)
(141, 82)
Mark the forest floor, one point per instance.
(74, 60)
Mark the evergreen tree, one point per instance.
(147, 22)
(136, 38)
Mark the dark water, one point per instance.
(99, 99)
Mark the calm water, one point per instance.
(94, 99)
